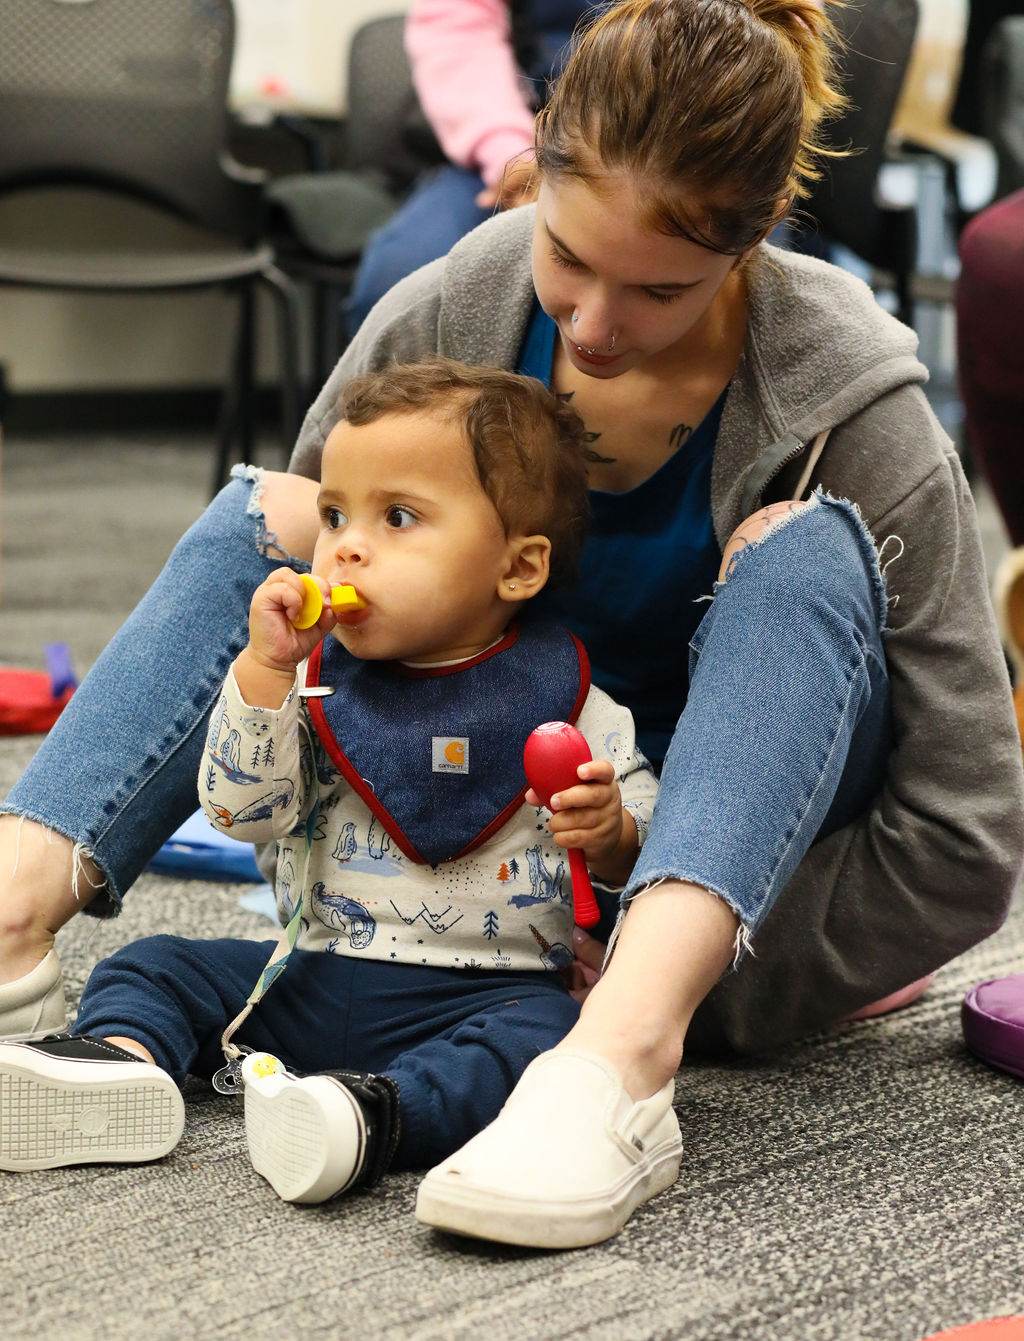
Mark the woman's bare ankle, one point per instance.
(43, 883)
(644, 1064)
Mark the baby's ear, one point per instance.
(529, 561)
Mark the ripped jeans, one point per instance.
(117, 773)
(786, 732)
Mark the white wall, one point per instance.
(302, 43)
(83, 342)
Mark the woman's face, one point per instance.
(593, 260)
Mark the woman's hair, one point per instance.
(529, 447)
(714, 107)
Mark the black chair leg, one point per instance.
(329, 327)
(227, 425)
(247, 410)
(286, 302)
(904, 299)
(236, 414)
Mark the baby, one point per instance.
(426, 895)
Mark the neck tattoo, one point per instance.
(595, 458)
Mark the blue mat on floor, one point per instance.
(198, 852)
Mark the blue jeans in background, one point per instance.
(441, 209)
(117, 773)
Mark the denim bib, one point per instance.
(437, 753)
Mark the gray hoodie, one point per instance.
(929, 869)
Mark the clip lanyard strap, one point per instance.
(278, 961)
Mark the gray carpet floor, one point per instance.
(865, 1185)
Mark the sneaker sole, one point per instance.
(478, 1213)
(292, 1143)
(50, 1121)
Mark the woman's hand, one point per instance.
(265, 670)
(518, 186)
(585, 969)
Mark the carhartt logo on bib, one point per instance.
(450, 754)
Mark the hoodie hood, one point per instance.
(819, 350)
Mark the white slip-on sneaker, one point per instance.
(84, 1101)
(564, 1164)
(307, 1136)
(34, 1007)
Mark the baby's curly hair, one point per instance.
(529, 447)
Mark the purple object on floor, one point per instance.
(992, 1016)
(58, 663)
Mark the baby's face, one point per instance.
(405, 520)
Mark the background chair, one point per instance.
(320, 220)
(1002, 101)
(130, 97)
(845, 205)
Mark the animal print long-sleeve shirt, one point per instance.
(266, 775)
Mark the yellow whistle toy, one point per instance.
(344, 598)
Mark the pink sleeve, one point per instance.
(468, 82)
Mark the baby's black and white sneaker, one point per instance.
(315, 1137)
(84, 1101)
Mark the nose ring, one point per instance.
(581, 350)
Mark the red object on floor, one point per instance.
(27, 701)
(992, 1329)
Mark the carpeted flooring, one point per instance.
(866, 1185)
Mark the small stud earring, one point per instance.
(511, 586)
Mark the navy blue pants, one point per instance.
(455, 1041)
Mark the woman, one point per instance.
(846, 804)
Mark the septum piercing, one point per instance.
(581, 350)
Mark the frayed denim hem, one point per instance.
(871, 551)
(266, 540)
(80, 854)
(741, 945)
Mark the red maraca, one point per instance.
(552, 754)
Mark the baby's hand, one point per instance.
(274, 641)
(588, 815)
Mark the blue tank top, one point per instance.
(651, 555)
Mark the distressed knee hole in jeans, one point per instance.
(266, 540)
